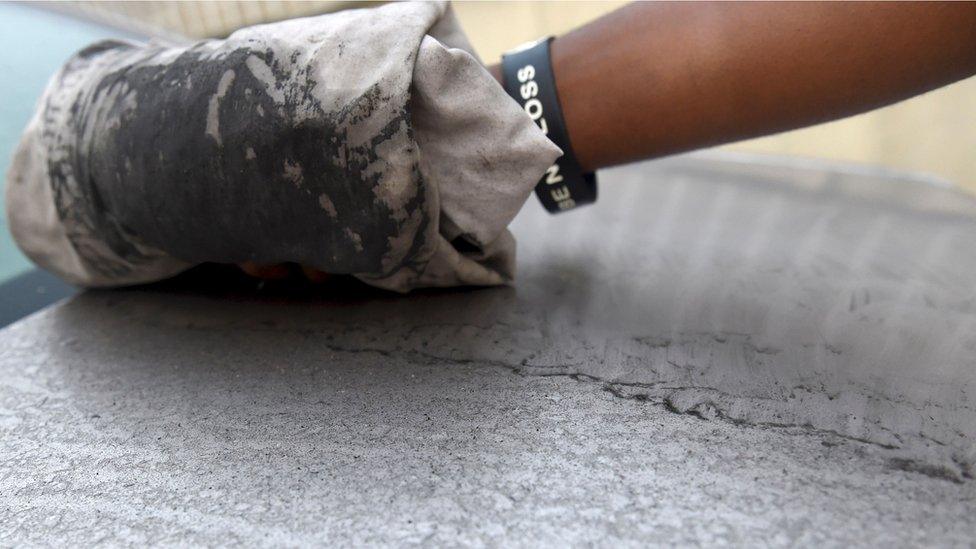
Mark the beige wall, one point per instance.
(495, 27)
(933, 133)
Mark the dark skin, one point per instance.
(653, 79)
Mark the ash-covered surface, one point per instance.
(717, 352)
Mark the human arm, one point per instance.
(653, 79)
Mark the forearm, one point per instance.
(653, 79)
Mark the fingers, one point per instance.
(266, 272)
(314, 275)
(282, 271)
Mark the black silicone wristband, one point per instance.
(527, 73)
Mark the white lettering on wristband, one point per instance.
(533, 107)
(528, 91)
(560, 195)
(552, 175)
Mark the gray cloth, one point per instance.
(369, 142)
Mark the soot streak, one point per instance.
(231, 158)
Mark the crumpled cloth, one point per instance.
(369, 142)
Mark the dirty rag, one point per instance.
(368, 142)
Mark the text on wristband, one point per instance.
(529, 89)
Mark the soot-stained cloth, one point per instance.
(370, 142)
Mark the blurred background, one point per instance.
(934, 133)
